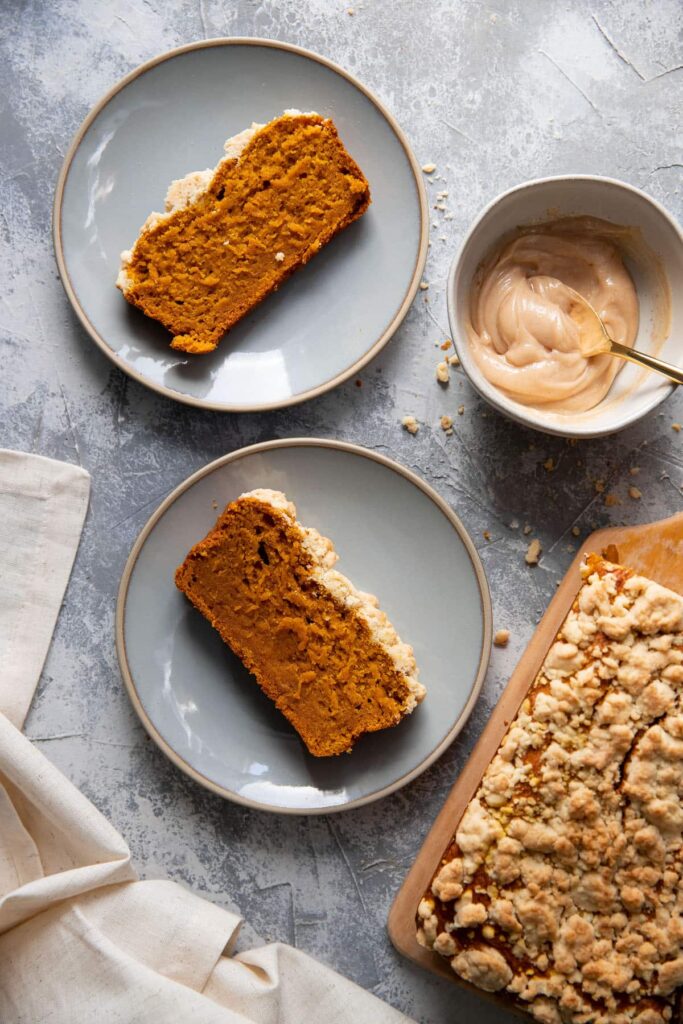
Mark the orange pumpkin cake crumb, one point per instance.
(231, 236)
(320, 649)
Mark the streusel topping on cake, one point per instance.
(564, 882)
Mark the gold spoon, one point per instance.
(595, 341)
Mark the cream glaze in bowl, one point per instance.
(634, 392)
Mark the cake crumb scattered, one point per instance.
(486, 535)
(575, 531)
(442, 374)
(410, 424)
(599, 486)
(454, 360)
(634, 493)
(549, 465)
(634, 470)
(446, 422)
(501, 637)
(424, 285)
(445, 345)
(676, 427)
(513, 524)
(527, 530)
(279, 256)
(612, 499)
(533, 552)
(429, 168)
(214, 503)
(461, 409)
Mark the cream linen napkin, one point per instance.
(81, 939)
(42, 508)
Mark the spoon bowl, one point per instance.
(595, 341)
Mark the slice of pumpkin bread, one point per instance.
(320, 649)
(231, 236)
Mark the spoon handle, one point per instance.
(674, 373)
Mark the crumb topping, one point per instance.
(564, 882)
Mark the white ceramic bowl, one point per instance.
(635, 392)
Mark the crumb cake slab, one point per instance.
(230, 236)
(655, 551)
(322, 650)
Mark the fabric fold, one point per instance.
(42, 509)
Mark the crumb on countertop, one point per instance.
(634, 493)
(612, 499)
(486, 535)
(410, 424)
(445, 345)
(424, 285)
(442, 374)
(527, 530)
(599, 486)
(429, 168)
(677, 427)
(453, 360)
(575, 531)
(501, 637)
(549, 465)
(533, 552)
(634, 470)
(446, 422)
(461, 409)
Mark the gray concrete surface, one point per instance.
(493, 93)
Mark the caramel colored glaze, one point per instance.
(520, 331)
(204, 267)
(316, 659)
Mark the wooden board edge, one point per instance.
(401, 918)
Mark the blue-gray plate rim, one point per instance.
(346, 300)
(434, 590)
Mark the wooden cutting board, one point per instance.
(656, 551)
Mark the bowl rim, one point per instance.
(522, 414)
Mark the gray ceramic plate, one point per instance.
(172, 116)
(396, 537)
